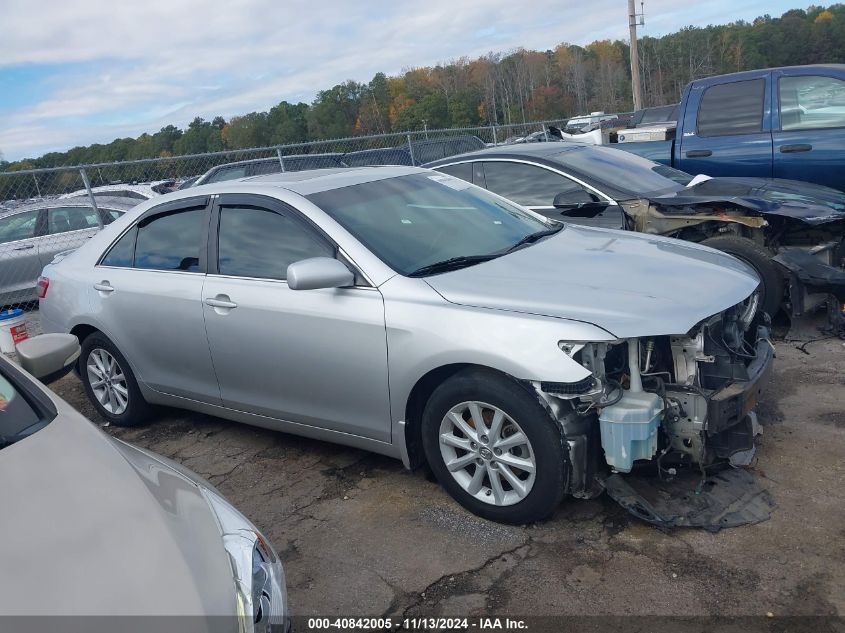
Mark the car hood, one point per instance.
(629, 284)
(809, 203)
(92, 526)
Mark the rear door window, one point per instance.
(20, 226)
(528, 185)
(731, 109)
(122, 253)
(461, 170)
(171, 241)
(65, 219)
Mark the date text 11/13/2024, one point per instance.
(416, 624)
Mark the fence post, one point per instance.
(411, 150)
(91, 196)
(545, 132)
(495, 142)
(37, 188)
(281, 159)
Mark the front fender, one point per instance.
(425, 332)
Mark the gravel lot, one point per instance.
(361, 536)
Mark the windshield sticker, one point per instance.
(450, 181)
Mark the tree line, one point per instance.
(497, 89)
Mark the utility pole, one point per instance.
(634, 20)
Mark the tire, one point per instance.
(760, 259)
(475, 465)
(121, 407)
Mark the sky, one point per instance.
(75, 72)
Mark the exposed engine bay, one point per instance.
(668, 406)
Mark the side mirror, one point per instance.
(319, 272)
(48, 357)
(583, 210)
(578, 204)
(567, 199)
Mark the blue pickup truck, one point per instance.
(775, 123)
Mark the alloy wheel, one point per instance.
(107, 380)
(487, 453)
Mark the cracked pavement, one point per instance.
(359, 535)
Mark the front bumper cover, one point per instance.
(732, 403)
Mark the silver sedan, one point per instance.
(31, 235)
(413, 314)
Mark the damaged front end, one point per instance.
(667, 409)
(804, 232)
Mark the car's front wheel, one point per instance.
(110, 383)
(494, 448)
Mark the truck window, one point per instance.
(732, 108)
(810, 101)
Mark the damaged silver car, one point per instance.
(415, 315)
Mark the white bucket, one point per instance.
(12, 330)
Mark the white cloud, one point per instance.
(140, 65)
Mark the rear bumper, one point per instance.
(732, 403)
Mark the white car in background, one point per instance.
(139, 192)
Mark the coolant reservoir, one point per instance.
(629, 429)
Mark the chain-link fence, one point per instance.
(47, 211)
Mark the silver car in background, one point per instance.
(413, 314)
(96, 527)
(31, 235)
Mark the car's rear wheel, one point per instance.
(110, 383)
(770, 294)
(494, 448)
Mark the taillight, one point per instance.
(42, 285)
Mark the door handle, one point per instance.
(103, 286)
(220, 301)
(24, 248)
(791, 149)
(699, 153)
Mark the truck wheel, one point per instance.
(771, 281)
(494, 448)
(109, 382)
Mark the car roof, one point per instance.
(108, 202)
(544, 150)
(274, 159)
(311, 181)
(145, 188)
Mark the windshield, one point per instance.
(17, 417)
(621, 170)
(414, 221)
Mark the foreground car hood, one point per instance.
(94, 527)
(809, 203)
(629, 284)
